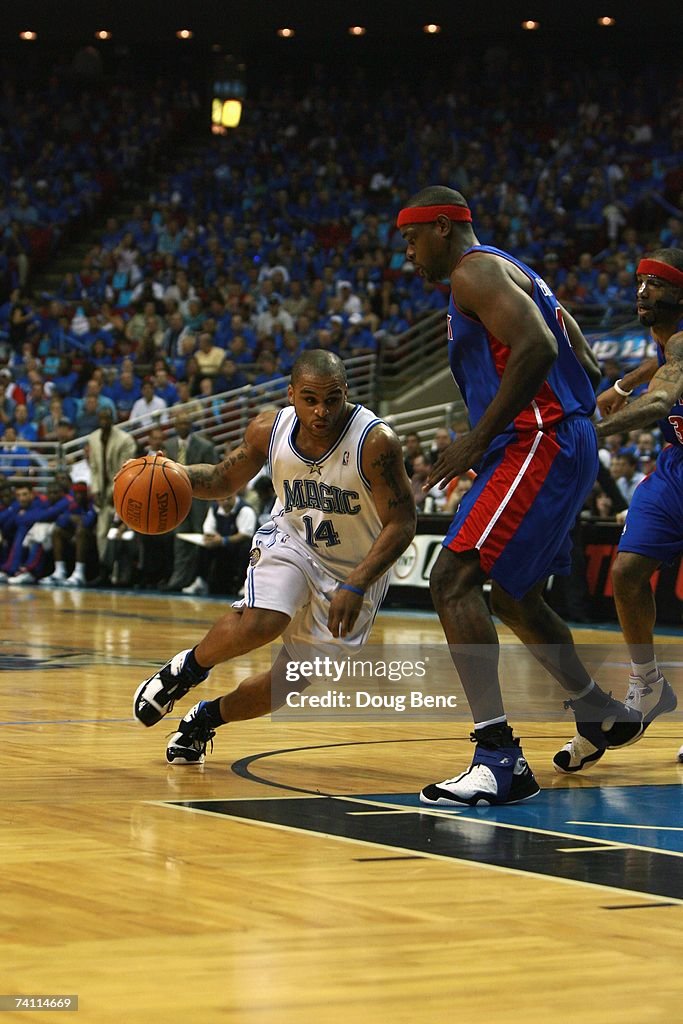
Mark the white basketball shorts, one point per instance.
(282, 577)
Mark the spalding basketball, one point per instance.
(152, 494)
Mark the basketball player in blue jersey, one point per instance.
(319, 570)
(653, 532)
(527, 377)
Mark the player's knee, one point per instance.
(517, 612)
(259, 626)
(452, 578)
(504, 607)
(628, 573)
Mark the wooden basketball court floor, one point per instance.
(294, 877)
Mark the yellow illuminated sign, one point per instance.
(226, 113)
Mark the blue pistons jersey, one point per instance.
(477, 360)
(654, 522)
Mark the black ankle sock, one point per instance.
(595, 698)
(193, 665)
(497, 735)
(213, 713)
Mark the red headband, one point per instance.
(656, 268)
(425, 214)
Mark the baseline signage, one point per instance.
(598, 541)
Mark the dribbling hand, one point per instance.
(345, 608)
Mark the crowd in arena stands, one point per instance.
(67, 145)
(281, 237)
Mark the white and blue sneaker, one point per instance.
(155, 697)
(651, 696)
(497, 775)
(188, 745)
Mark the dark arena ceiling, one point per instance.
(249, 27)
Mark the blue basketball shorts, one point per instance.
(519, 513)
(654, 522)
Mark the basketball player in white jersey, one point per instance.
(319, 571)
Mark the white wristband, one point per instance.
(621, 391)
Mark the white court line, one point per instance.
(583, 849)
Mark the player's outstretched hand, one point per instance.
(136, 458)
(457, 459)
(610, 401)
(345, 607)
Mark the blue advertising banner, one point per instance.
(629, 345)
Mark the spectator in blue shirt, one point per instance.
(24, 428)
(15, 458)
(124, 393)
(230, 377)
(359, 338)
(394, 323)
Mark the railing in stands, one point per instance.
(29, 461)
(409, 358)
(222, 418)
(425, 421)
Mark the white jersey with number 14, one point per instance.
(325, 504)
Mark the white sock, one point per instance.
(644, 670)
(492, 721)
(79, 570)
(60, 569)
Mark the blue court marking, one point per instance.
(645, 816)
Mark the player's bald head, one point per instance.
(318, 363)
(437, 195)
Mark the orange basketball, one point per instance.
(152, 494)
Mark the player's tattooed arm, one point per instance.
(388, 466)
(383, 467)
(665, 389)
(238, 467)
(217, 481)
